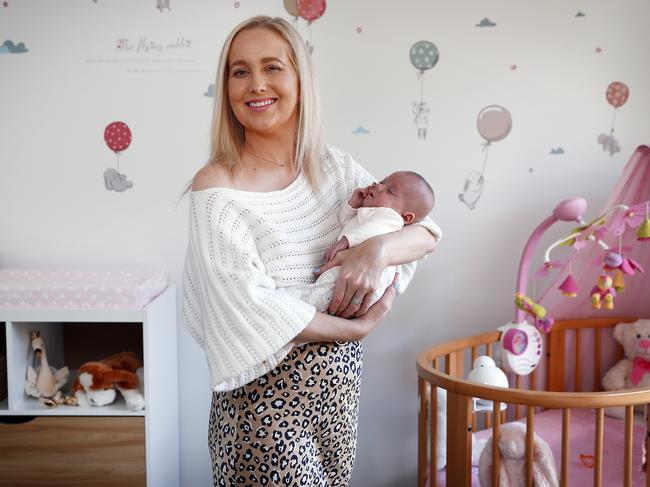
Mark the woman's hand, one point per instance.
(326, 328)
(378, 311)
(361, 268)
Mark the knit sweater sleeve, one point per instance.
(356, 176)
(231, 306)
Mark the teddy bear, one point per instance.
(96, 382)
(634, 370)
(603, 291)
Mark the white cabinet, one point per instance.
(75, 336)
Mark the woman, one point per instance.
(262, 213)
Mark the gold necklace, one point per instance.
(281, 164)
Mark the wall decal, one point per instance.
(617, 94)
(163, 4)
(513, 67)
(494, 123)
(359, 30)
(599, 50)
(485, 22)
(114, 181)
(556, 151)
(10, 48)
(117, 136)
(291, 7)
(360, 130)
(210, 91)
(172, 53)
(421, 118)
(310, 10)
(580, 14)
(424, 55)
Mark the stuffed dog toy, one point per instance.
(96, 382)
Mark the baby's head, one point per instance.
(406, 192)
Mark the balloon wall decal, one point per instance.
(291, 7)
(163, 4)
(424, 55)
(117, 136)
(617, 94)
(493, 123)
(310, 10)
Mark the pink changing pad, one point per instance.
(548, 425)
(31, 288)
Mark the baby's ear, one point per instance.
(408, 218)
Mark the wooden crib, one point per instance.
(447, 365)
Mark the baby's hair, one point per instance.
(426, 204)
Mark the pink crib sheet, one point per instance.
(61, 288)
(548, 425)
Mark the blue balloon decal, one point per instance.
(424, 56)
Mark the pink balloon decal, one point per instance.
(117, 136)
(311, 10)
(494, 123)
(617, 94)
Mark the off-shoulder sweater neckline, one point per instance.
(253, 194)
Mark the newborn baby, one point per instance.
(402, 198)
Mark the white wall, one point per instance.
(57, 98)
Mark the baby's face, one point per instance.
(392, 192)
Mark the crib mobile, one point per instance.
(521, 339)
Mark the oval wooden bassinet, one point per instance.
(579, 350)
(446, 366)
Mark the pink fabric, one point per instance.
(61, 288)
(639, 369)
(581, 441)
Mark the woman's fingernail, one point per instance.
(317, 269)
(395, 286)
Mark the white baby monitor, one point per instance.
(521, 347)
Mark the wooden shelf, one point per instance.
(75, 336)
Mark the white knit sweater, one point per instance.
(245, 248)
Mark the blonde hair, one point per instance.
(227, 134)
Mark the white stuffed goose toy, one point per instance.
(44, 382)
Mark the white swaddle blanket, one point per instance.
(358, 226)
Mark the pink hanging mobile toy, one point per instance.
(521, 341)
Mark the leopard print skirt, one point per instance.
(295, 425)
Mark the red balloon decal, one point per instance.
(617, 94)
(311, 9)
(117, 136)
